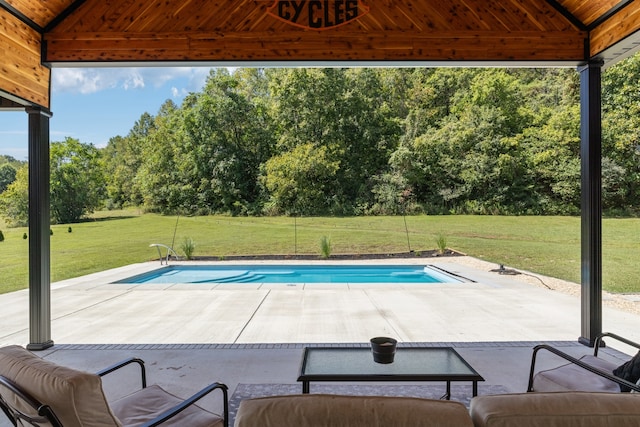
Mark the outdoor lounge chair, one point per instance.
(36, 392)
(588, 373)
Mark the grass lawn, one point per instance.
(545, 245)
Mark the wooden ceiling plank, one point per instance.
(588, 11)
(186, 20)
(254, 22)
(40, 12)
(21, 73)
(542, 16)
(147, 12)
(20, 35)
(117, 15)
(82, 18)
(237, 13)
(410, 16)
(528, 16)
(609, 13)
(17, 13)
(432, 17)
(617, 28)
(388, 19)
(485, 18)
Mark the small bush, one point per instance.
(24, 236)
(1, 236)
(69, 230)
(325, 247)
(188, 246)
(441, 244)
(50, 232)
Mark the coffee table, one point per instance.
(410, 364)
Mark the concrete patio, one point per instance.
(191, 335)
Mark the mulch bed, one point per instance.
(394, 255)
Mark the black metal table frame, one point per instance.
(447, 378)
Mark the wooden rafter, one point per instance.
(570, 16)
(63, 15)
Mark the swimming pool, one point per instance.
(294, 274)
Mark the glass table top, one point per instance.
(410, 362)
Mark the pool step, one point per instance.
(243, 277)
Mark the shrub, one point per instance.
(325, 247)
(441, 244)
(188, 246)
(1, 236)
(24, 236)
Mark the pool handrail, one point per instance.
(169, 252)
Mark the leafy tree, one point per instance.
(122, 158)
(7, 176)
(438, 140)
(345, 111)
(225, 145)
(14, 201)
(158, 177)
(77, 183)
(301, 181)
(621, 136)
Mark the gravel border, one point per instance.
(625, 302)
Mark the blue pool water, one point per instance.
(294, 274)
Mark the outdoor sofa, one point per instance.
(585, 392)
(564, 409)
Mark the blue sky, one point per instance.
(93, 105)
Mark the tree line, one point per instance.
(357, 141)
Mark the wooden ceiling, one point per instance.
(38, 34)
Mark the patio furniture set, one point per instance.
(34, 391)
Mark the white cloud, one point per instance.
(91, 80)
(177, 93)
(81, 80)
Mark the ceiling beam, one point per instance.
(10, 105)
(571, 17)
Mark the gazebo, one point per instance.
(37, 36)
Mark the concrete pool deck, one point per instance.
(192, 335)
(91, 310)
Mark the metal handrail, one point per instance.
(169, 252)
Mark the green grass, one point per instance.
(545, 245)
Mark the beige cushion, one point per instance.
(556, 409)
(321, 410)
(571, 377)
(147, 403)
(76, 397)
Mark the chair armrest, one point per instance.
(190, 401)
(16, 414)
(124, 363)
(599, 343)
(577, 362)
